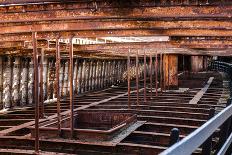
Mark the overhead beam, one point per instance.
(156, 45)
(70, 12)
(125, 24)
(194, 44)
(122, 52)
(159, 27)
(117, 33)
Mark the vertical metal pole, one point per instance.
(164, 71)
(41, 84)
(137, 77)
(207, 145)
(128, 77)
(156, 73)
(168, 72)
(57, 84)
(161, 72)
(71, 85)
(36, 91)
(151, 74)
(145, 77)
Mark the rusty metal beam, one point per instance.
(121, 53)
(156, 45)
(161, 72)
(76, 26)
(118, 33)
(137, 77)
(71, 86)
(156, 73)
(145, 76)
(81, 25)
(187, 43)
(41, 83)
(72, 13)
(37, 5)
(36, 92)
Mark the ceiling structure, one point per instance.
(107, 27)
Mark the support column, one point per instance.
(145, 77)
(137, 77)
(91, 75)
(41, 84)
(197, 63)
(97, 75)
(36, 91)
(79, 77)
(104, 74)
(71, 87)
(171, 70)
(45, 71)
(62, 75)
(107, 74)
(16, 82)
(49, 84)
(30, 82)
(161, 72)
(23, 82)
(75, 77)
(1, 82)
(156, 74)
(205, 62)
(83, 76)
(101, 75)
(114, 72)
(88, 76)
(58, 84)
(150, 66)
(6, 84)
(65, 87)
(128, 78)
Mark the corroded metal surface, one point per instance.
(168, 110)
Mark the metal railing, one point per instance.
(202, 137)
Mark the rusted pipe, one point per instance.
(41, 84)
(161, 72)
(168, 72)
(128, 77)
(137, 77)
(145, 77)
(57, 84)
(156, 74)
(71, 86)
(36, 91)
(164, 72)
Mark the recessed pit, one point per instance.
(91, 126)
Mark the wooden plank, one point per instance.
(200, 94)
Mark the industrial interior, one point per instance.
(115, 77)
